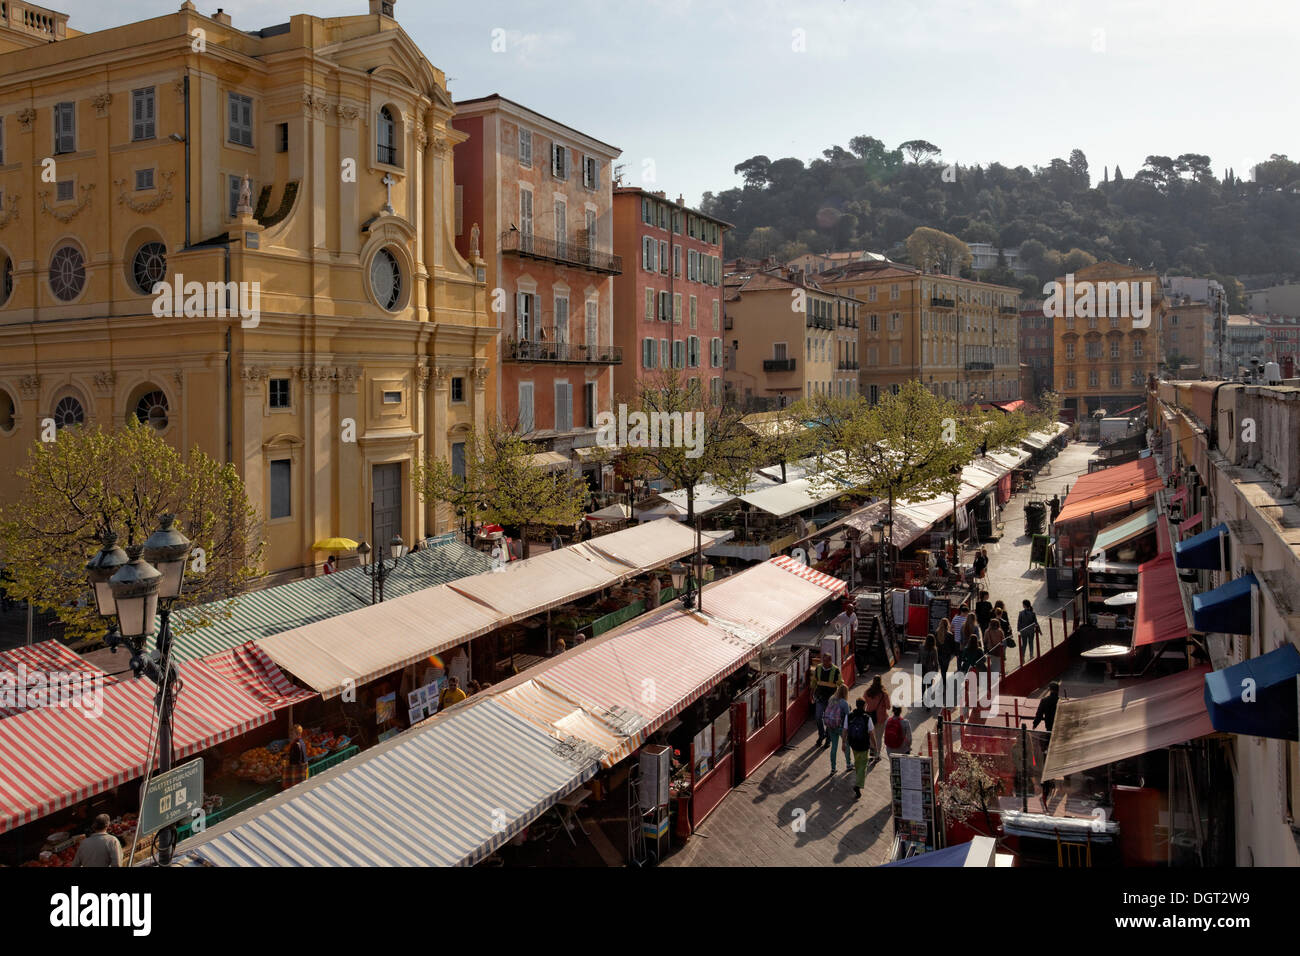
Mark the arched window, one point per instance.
(149, 266)
(387, 137)
(386, 280)
(151, 409)
(68, 411)
(67, 273)
(8, 412)
(6, 278)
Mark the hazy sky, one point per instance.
(695, 86)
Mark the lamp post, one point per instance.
(379, 572)
(130, 586)
(690, 576)
(954, 470)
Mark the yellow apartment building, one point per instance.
(787, 338)
(309, 164)
(1107, 321)
(959, 337)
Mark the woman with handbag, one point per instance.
(837, 711)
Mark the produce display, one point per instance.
(61, 848)
(265, 764)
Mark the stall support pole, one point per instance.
(1024, 767)
(939, 835)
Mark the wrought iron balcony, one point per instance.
(817, 322)
(778, 365)
(847, 366)
(563, 253)
(979, 366)
(937, 302)
(562, 352)
(1008, 310)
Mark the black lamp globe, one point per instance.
(101, 568)
(168, 550)
(135, 595)
(677, 571)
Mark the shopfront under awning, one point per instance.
(550, 461)
(1202, 550)
(1103, 728)
(1269, 710)
(1159, 615)
(1226, 609)
(1126, 530)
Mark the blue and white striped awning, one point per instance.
(445, 794)
(274, 610)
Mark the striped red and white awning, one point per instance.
(827, 581)
(249, 668)
(19, 665)
(58, 756)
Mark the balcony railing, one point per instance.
(938, 302)
(728, 322)
(525, 351)
(1009, 310)
(564, 253)
(778, 365)
(846, 366)
(979, 366)
(817, 322)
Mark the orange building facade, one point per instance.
(536, 198)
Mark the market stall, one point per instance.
(758, 710)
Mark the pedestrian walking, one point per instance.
(945, 645)
(556, 543)
(984, 610)
(981, 563)
(930, 671)
(295, 763)
(101, 848)
(877, 699)
(941, 562)
(857, 733)
(655, 589)
(995, 641)
(1028, 628)
(898, 733)
(959, 622)
(972, 650)
(825, 678)
(1046, 714)
(833, 717)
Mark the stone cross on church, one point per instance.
(389, 182)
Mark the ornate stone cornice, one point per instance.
(480, 376)
(30, 385)
(441, 377)
(254, 377)
(8, 215)
(146, 205)
(347, 113)
(25, 118)
(67, 215)
(316, 378)
(317, 103)
(104, 383)
(101, 102)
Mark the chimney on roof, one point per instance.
(221, 16)
(680, 201)
(383, 8)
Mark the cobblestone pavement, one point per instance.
(792, 812)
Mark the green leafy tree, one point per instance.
(503, 484)
(931, 249)
(92, 479)
(919, 149)
(720, 450)
(783, 436)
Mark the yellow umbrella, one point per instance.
(334, 544)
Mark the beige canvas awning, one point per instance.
(550, 461)
(1097, 730)
(355, 648)
(649, 545)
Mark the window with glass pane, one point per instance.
(722, 734)
(278, 393)
(458, 459)
(771, 697)
(702, 746)
(281, 499)
(65, 127)
(753, 711)
(457, 389)
(142, 113)
(387, 136)
(240, 115)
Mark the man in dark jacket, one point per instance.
(1046, 713)
(825, 678)
(1027, 629)
(984, 611)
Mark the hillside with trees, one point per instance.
(1173, 214)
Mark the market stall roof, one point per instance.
(648, 546)
(550, 461)
(1010, 458)
(1134, 483)
(1010, 406)
(57, 756)
(1033, 441)
(683, 655)
(615, 512)
(348, 650)
(47, 658)
(1110, 726)
(1226, 609)
(1159, 615)
(1188, 526)
(1202, 550)
(447, 793)
(1271, 711)
(978, 852)
(707, 498)
(794, 496)
(249, 668)
(1130, 411)
(258, 614)
(663, 509)
(567, 721)
(1112, 536)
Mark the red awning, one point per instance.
(58, 756)
(1189, 525)
(49, 660)
(1010, 406)
(1178, 496)
(1129, 411)
(257, 675)
(1111, 488)
(1164, 541)
(1159, 615)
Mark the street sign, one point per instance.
(172, 797)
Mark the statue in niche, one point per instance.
(473, 241)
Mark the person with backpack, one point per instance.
(877, 699)
(898, 734)
(834, 716)
(858, 733)
(825, 680)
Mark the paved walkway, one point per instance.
(792, 812)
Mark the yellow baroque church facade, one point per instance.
(301, 174)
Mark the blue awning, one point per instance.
(1256, 697)
(1224, 610)
(1202, 550)
(948, 856)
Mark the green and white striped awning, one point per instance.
(259, 614)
